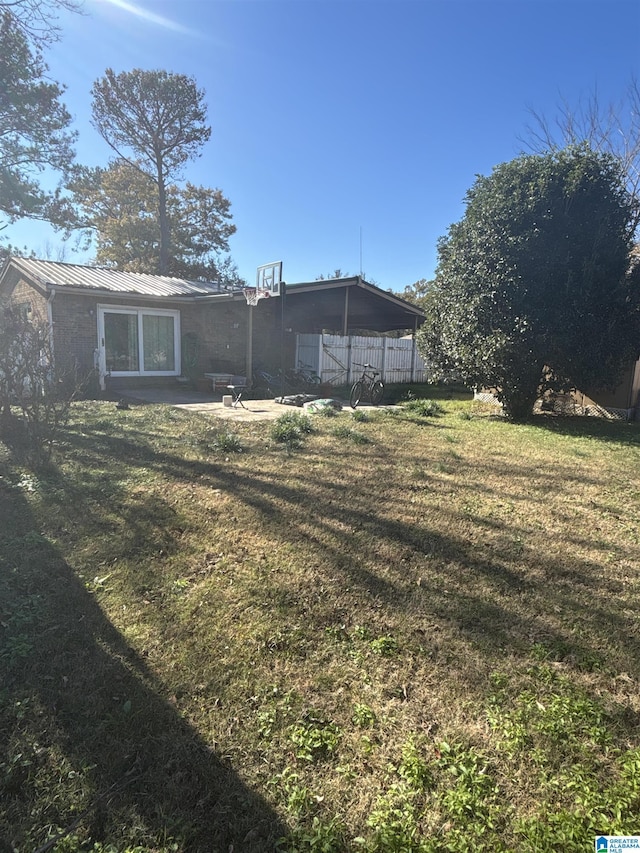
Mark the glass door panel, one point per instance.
(121, 342)
(158, 343)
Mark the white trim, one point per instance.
(139, 312)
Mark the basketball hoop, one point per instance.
(269, 278)
(253, 294)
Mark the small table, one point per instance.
(236, 395)
(219, 381)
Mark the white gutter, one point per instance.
(100, 294)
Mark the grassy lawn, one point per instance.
(412, 632)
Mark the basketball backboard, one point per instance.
(269, 277)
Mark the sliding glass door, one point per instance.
(139, 341)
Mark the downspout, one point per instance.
(99, 357)
(50, 298)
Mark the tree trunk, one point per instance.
(164, 223)
(518, 407)
(520, 393)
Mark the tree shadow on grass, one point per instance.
(497, 601)
(89, 742)
(581, 426)
(491, 589)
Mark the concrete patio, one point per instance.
(194, 401)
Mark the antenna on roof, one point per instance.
(361, 251)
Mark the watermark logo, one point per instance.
(618, 843)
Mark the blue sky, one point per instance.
(346, 134)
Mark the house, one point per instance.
(134, 329)
(623, 403)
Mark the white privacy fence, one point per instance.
(338, 360)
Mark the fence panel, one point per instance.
(403, 362)
(366, 351)
(308, 351)
(338, 360)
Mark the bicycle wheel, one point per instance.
(377, 390)
(356, 393)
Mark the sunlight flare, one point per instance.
(146, 15)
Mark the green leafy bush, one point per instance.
(345, 432)
(314, 737)
(228, 442)
(424, 408)
(290, 428)
(386, 646)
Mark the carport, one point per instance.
(342, 306)
(345, 305)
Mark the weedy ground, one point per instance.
(412, 630)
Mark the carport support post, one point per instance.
(413, 349)
(321, 357)
(383, 369)
(345, 318)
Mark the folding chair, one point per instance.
(237, 388)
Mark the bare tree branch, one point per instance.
(38, 19)
(612, 128)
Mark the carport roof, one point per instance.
(343, 304)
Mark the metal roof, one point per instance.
(62, 275)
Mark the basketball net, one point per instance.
(253, 294)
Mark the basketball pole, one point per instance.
(283, 289)
(269, 277)
(250, 348)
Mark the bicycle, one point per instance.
(269, 384)
(307, 374)
(367, 386)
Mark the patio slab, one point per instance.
(255, 410)
(194, 401)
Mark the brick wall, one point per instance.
(267, 337)
(75, 332)
(220, 330)
(214, 333)
(23, 293)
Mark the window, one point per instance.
(24, 310)
(140, 341)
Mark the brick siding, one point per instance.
(217, 331)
